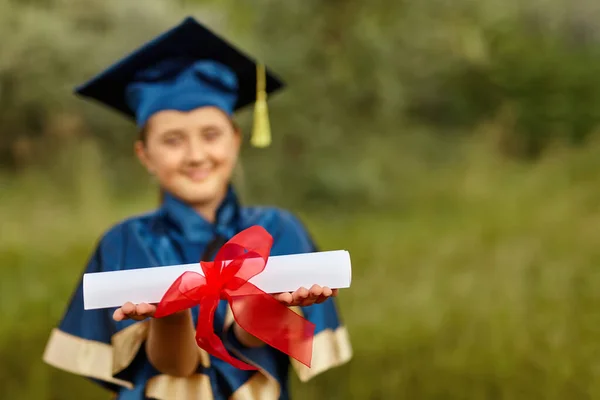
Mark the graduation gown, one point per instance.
(90, 343)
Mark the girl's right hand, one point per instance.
(137, 312)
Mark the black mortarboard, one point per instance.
(182, 69)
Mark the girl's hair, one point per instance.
(143, 134)
(142, 137)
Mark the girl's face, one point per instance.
(192, 154)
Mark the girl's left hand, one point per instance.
(137, 312)
(304, 297)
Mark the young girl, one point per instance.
(182, 89)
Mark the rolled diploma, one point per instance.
(281, 274)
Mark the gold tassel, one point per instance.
(261, 132)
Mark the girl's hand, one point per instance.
(137, 312)
(304, 297)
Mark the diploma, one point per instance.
(281, 274)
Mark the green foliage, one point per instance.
(545, 84)
(481, 283)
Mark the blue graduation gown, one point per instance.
(90, 343)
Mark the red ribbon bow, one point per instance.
(255, 311)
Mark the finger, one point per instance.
(119, 315)
(128, 309)
(285, 298)
(313, 295)
(327, 293)
(334, 292)
(315, 292)
(132, 311)
(300, 295)
(146, 310)
(142, 311)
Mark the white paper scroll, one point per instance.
(281, 274)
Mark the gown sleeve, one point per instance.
(331, 343)
(90, 343)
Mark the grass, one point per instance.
(482, 283)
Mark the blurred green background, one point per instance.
(451, 147)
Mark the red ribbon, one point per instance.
(255, 311)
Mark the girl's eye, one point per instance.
(172, 140)
(211, 134)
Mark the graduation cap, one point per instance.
(182, 69)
